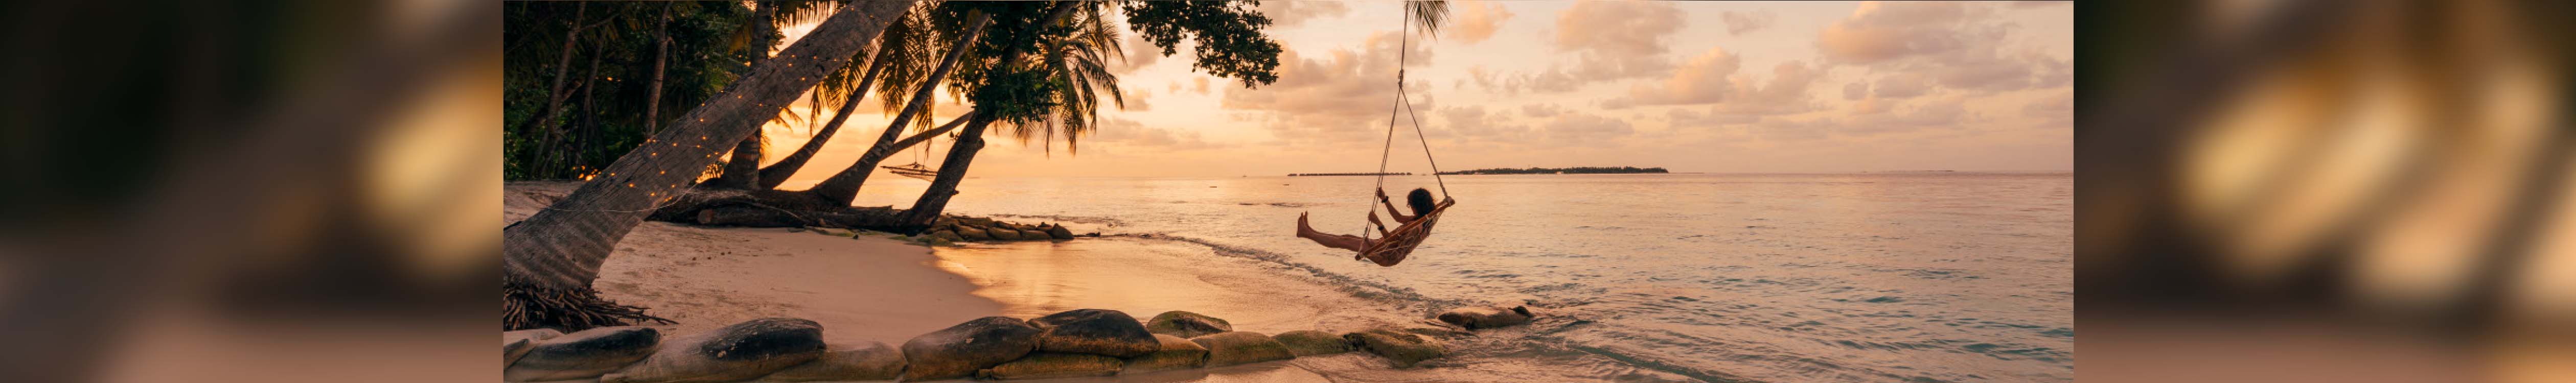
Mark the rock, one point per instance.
(975, 221)
(845, 362)
(1239, 347)
(1404, 348)
(1486, 317)
(973, 234)
(515, 344)
(1176, 353)
(1050, 365)
(1311, 342)
(1035, 235)
(1095, 331)
(1059, 232)
(584, 354)
(1002, 233)
(945, 235)
(741, 351)
(958, 351)
(1187, 324)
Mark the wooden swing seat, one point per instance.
(1400, 242)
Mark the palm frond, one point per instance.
(1429, 15)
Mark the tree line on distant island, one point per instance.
(1572, 170)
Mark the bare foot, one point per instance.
(1302, 228)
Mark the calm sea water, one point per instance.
(1761, 277)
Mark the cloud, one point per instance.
(1885, 31)
(2052, 106)
(1140, 53)
(1712, 79)
(1739, 23)
(1855, 90)
(1615, 40)
(1473, 124)
(1336, 95)
(1138, 100)
(1118, 133)
(1687, 117)
(1199, 84)
(1951, 45)
(1286, 14)
(1575, 129)
(1475, 21)
(1541, 110)
(1902, 85)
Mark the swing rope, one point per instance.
(1403, 105)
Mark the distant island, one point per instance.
(1572, 170)
(1346, 174)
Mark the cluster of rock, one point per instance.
(978, 229)
(1077, 343)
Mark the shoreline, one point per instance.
(882, 288)
(878, 287)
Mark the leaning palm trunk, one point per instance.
(777, 173)
(550, 259)
(843, 187)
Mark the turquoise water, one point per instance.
(1952, 277)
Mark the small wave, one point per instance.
(1354, 286)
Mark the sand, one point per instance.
(877, 288)
(865, 288)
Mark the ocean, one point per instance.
(1862, 277)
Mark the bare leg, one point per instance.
(1327, 239)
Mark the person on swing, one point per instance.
(1419, 199)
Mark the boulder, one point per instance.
(973, 234)
(1095, 331)
(515, 344)
(958, 351)
(1404, 348)
(1311, 342)
(741, 351)
(584, 354)
(1059, 232)
(1002, 233)
(1239, 347)
(1035, 235)
(1486, 317)
(1175, 353)
(1187, 324)
(946, 235)
(1050, 365)
(845, 362)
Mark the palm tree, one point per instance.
(843, 187)
(550, 259)
(900, 57)
(1002, 83)
(742, 170)
(1077, 60)
(1070, 108)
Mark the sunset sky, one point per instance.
(1689, 86)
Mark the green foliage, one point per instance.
(1016, 96)
(705, 56)
(1229, 37)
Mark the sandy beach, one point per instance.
(874, 287)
